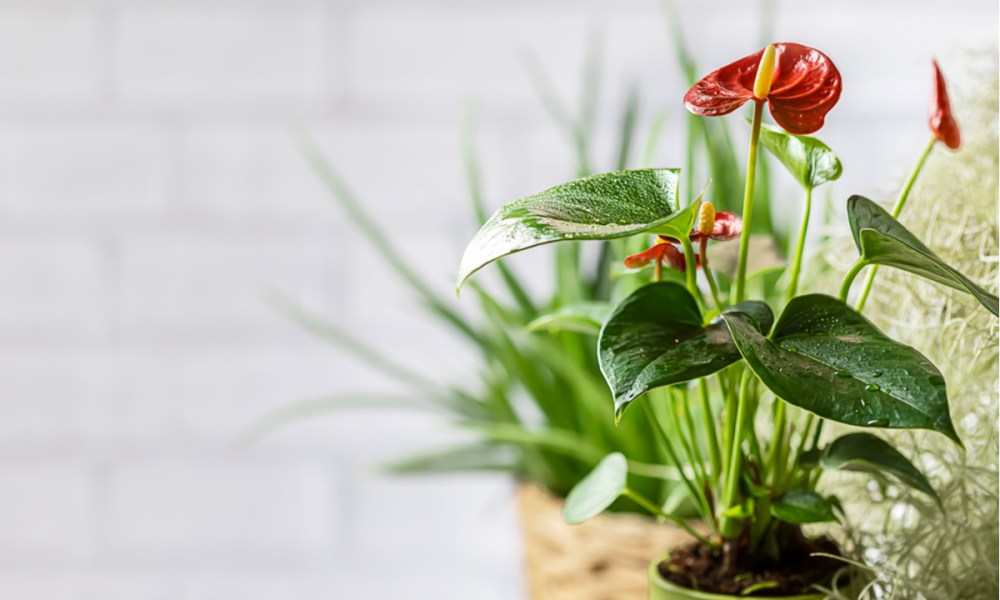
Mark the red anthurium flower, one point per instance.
(727, 226)
(942, 122)
(661, 251)
(804, 87)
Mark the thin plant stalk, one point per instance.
(741, 269)
(800, 246)
(656, 510)
(730, 525)
(896, 210)
(714, 452)
(667, 446)
(690, 266)
(712, 285)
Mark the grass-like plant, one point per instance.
(704, 361)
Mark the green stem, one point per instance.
(797, 460)
(845, 287)
(712, 285)
(800, 245)
(666, 445)
(656, 510)
(741, 270)
(896, 210)
(731, 526)
(689, 447)
(714, 450)
(777, 441)
(690, 266)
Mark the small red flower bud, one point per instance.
(942, 122)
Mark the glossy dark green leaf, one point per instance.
(808, 159)
(826, 358)
(881, 240)
(657, 336)
(866, 452)
(599, 207)
(598, 490)
(802, 506)
(581, 317)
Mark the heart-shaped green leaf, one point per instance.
(800, 505)
(825, 357)
(598, 490)
(808, 159)
(865, 452)
(881, 240)
(657, 336)
(599, 207)
(580, 317)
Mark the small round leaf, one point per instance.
(598, 490)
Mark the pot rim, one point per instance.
(660, 582)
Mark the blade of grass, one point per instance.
(653, 139)
(471, 162)
(340, 192)
(464, 458)
(589, 94)
(570, 444)
(355, 347)
(322, 405)
(602, 281)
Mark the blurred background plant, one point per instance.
(912, 549)
(538, 407)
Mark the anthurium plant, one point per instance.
(738, 389)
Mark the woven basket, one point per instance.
(605, 558)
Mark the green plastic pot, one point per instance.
(661, 589)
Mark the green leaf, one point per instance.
(802, 506)
(759, 587)
(740, 511)
(808, 159)
(825, 357)
(567, 443)
(599, 207)
(313, 407)
(657, 336)
(881, 240)
(866, 452)
(598, 490)
(461, 459)
(581, 317)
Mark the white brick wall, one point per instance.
(150, 196)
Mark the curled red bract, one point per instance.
(660, 251)
(805, 86)
(942, 122)
(727, 227)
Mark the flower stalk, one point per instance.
(896, 210)
(741, 268)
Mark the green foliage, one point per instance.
(657, 337)
(808, 159)
(598, 490)
(599, 207)
(801, 505)
(865, 452)
(826, 358)
(581, 317)
(881, 240)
